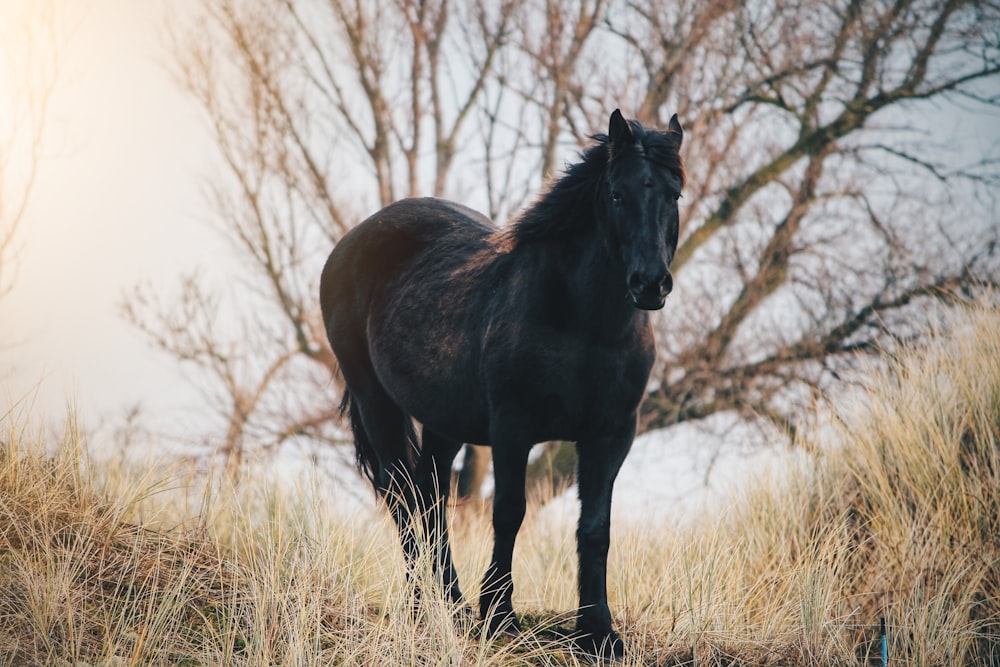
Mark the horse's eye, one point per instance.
(678, 196)
(616, 197)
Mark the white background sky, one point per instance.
(118, 200)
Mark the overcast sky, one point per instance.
(117, 201)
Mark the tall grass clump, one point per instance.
(890, 511)
(915, 492)
(82, 582)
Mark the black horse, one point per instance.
(508, 338)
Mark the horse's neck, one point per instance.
(597, 285)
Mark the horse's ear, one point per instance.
(619, 131)
(675, 127)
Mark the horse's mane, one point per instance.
(571, 202)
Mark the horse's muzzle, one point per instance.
(650, 292)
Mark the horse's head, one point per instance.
(644, 181)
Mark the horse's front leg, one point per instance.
(599, 459)
(510, 459)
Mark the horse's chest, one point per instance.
(569, 387)
(611, 376)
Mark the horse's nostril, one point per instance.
(650, 284)
(642, 286)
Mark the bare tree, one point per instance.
(833, 213)
(825, 200)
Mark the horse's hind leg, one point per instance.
(414, 493)
(434, 486)
(384, 435)
(414, 485)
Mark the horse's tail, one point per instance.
(365, 455)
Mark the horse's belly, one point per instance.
(452, 409)
(431, 374)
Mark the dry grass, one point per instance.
(899, 519)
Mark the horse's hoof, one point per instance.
(603, 649)
(506, 624)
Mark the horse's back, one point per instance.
(376, 252)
